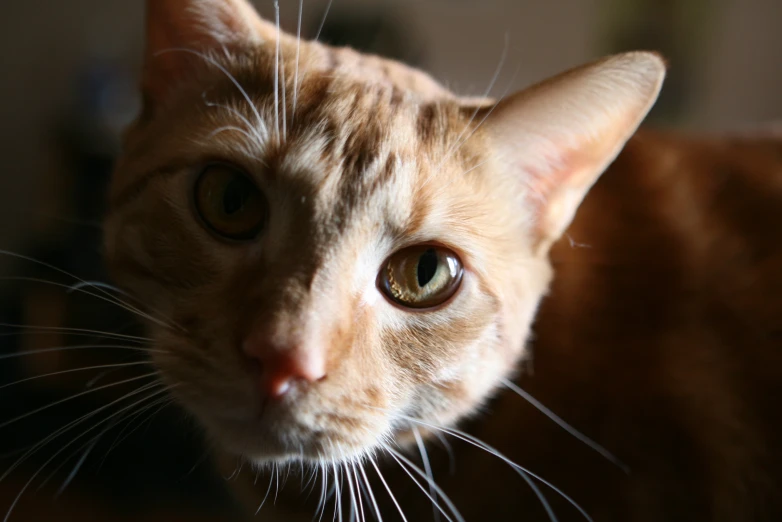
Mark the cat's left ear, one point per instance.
(176, 29)
(558, 136)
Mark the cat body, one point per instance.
(659, 339)
(349, 259)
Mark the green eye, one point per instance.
(422, 276)
(230, 203)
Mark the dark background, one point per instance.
(68, 86)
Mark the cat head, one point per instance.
(333, 244)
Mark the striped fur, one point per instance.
(359, 157)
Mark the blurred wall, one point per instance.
(44, 43)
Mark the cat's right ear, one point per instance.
(176, 30)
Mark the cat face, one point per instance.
(335, 242)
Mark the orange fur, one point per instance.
(640, 342)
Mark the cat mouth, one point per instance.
(279, 434)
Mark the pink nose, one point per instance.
(279, 367)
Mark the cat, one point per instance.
(351, 262)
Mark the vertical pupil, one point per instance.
(235, 196)
(427, 266)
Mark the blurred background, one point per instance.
(68, 87)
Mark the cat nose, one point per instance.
(279, 367)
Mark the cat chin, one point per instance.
(284, 440)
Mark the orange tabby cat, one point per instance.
(351, 259)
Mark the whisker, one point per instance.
(80, 394)
(379, 518)
(323, 20)
(58, 452)
(283, 92)
(466, 437)
(227, 73)
(114, 299)
(277, 480)
(399, 458)
(449, 450)
(324, 484)
(81, 347)
(252, 129)
(97, 284)
(230, 128)
(564, 425)
(358, 493)
(296, 72)
(43, 442)
(495, 77)
(353, 504)
(338, 490)
(83, 369)
(388, 489)
(427, 465)
(90, 443)
(236, 468)
(80, 463)
(277, 72)
(266, 496)
(62, 329)
(161, 404)
(320, 30)
(79, 287)
(486, 116)
(313, 475)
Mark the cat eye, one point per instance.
(421, 276)
(229, 202)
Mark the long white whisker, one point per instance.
(259, 138)
(324, 485)
(338, 486)
(485, 116)
(56, 454)
(358, 493)
(83, 369)
(296, 73)
(449, 450)
(160, 404)
(323, 20)
(43, 442)
(388, 489)
(400, 459)
(277, 72)
(126, 416)
(466, 437)
(311, 480)
(60, 329)
(371, 493)
(80, 394)
(283, 92)
(97, 284)
(277, 480)
(564, 425)
(230, 128)
(78, 287)
(494, 78)
(114, 299)
(80, 462)
(80, 347)
(227, 73)
(353, 503)
(320, 30)
(266, 496)
(427, 465)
